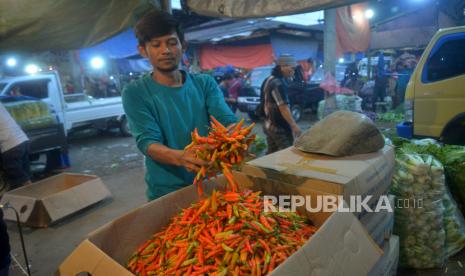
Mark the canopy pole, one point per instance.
(166, 6)
(329, 42)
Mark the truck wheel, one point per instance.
(124, 127)
(455, 135)
(296, 112)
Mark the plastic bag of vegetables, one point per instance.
(453, 158)
(420, 178)
(454, 225)
(454, 163)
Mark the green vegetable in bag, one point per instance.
(421, 230)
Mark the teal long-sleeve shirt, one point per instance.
(167, 115)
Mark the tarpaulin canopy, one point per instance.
(123, 45)
(301, 48)
(212, 56)
(69, 24)
(353, 29)
(65, 24)
(260, 8)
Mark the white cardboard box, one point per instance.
(341, 246)
(44, 202)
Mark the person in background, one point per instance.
(69, 87)
(5, 258)
(351, 78)
(14, 148)
(15, 92)
(310, 70)
(381, 79)
(224, 85)
(403, 77)
(304, 71)
(90, 85)
(235, 86)
(279, 126)
(165, 106)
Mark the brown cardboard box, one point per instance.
(340, 247)
(365, 174)
(54, 198)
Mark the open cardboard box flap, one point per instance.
(54, 198)
(327, 168)
(340, 247)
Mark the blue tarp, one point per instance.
(301, 48)
(120, 46)
(126, 66)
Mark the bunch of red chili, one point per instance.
(224, 234)
(223, 149)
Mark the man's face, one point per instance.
(164, 52)
(287, 70)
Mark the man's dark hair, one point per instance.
(310, 60)
(277, 73)
(155, 24)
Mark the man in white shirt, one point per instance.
(14, 149)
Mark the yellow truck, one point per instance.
(435, 95)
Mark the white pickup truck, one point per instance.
(73, 110)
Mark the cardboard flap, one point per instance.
(88, 258)
(132, 229)
(75, 198)
(333, 169)
(24, 205)
(350, 252)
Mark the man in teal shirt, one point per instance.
(164, 107)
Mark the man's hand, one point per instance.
(188, 160)
(286, 113)
(184, 158)
(296, 130)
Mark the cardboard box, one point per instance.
(364, 174)
(380, 225)
(383, 231)
(44, 202)
(340, 247)
(387, 265)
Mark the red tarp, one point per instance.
(212, 56)
(352, 29)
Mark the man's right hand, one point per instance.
(188, 160)
(182, 158)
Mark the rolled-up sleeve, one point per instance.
(216, 105)
(143, 121)
(279, 95)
